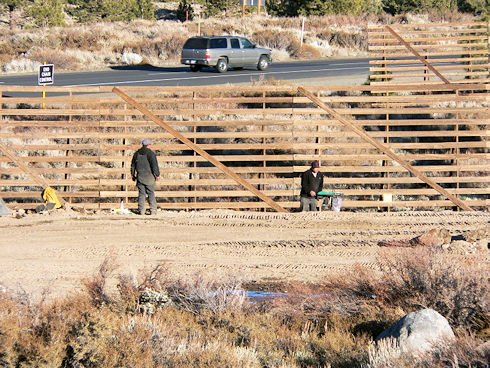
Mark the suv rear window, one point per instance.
(196, 43)
(218, 43)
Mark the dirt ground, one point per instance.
(53, 252)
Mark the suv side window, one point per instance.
(235, 44)
(218, 43)
(246, 44)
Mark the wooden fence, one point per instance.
(404, 53)
(82, 141)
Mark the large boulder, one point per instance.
(419, 332)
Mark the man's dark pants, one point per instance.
(146, 190)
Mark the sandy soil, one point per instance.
(52, 252)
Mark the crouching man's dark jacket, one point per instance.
(144, 166)
(311, 183)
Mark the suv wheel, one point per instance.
(196, 68)
(263, 63)
(222, 66)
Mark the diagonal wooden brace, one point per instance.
(199, 150)
(37, 178)
(366, 137)
(413, 51)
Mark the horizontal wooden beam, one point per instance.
(366, 137)
(199, 150)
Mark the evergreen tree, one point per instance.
(47, 13)
(185, 11)
(111, 10)
(214, 7)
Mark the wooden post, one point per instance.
(199, 150)
(366, 137)
(199, 24)
(244, 6)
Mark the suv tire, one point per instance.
(196, 68)
(222, 66)
(263, 63)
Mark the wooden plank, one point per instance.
(429, 41)
(426, 27)
(413, 51)
(20, 163)
(385, 150)
(199, 150)
(475, 59)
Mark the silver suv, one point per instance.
(223, 52)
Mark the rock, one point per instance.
(482, 245)
(475, 235)
(462, 247)
(432, 238)
(150, 300)
(419, 332)
(484, 349)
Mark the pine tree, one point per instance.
(112, 10)
(214, 7)
(47, 13)
(185, 11)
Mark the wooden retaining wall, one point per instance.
(458, 51)
(82, 141)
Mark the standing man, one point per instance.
(145, 171)
(311, 184)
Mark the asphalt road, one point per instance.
(182, 76)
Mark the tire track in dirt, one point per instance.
(58, 249)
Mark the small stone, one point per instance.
(482, 245)
(462, 246)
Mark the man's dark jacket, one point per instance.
(144, 166)
(310, 183)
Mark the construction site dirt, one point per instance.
(49, 254)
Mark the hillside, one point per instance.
(96, 46)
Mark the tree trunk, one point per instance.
(11, 17)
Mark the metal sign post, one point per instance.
(45, 76)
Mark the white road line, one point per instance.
(211, 76)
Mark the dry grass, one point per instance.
(103, 44)
(206, 323)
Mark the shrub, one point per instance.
(455, 286)
(274, 38)
(49, 56)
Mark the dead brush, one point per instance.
(95, 286)
(60, 59)
(206, 294)
(130, 287)
(455, 286)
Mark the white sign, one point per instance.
(46, 74)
